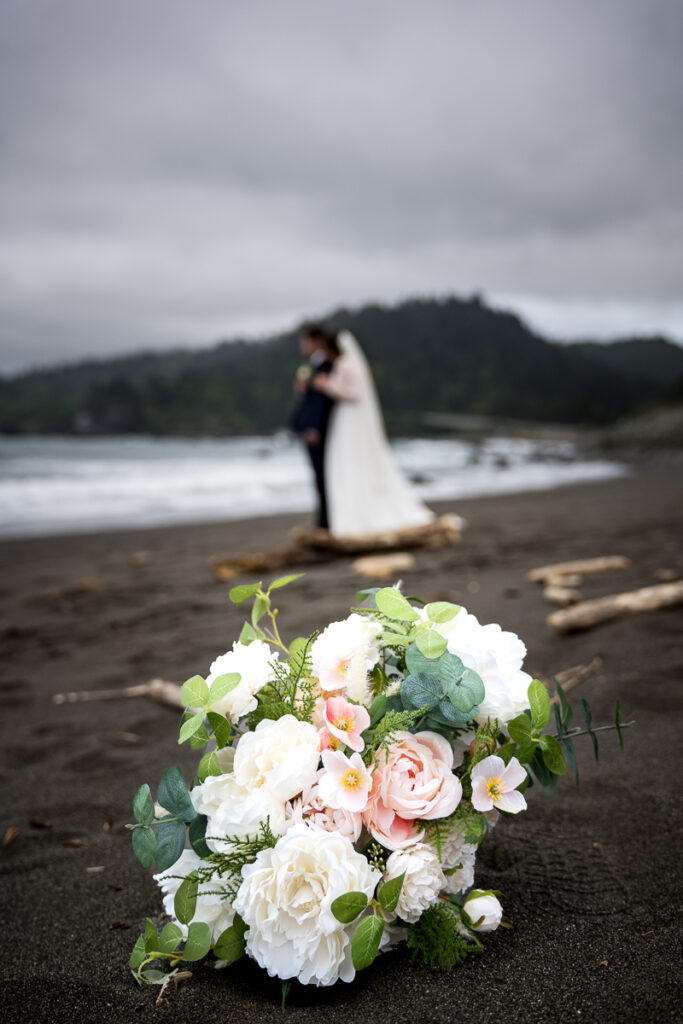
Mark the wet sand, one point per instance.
(591, 878)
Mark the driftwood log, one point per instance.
(582, 566)
(587, 614)
(314, 546)
(558, 593)
(159, 690)
(384, 567)
(571, 677)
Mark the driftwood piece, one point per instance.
(564, 579)
(383, 567)
(556, 593)
(256, 562)
(585, 566)
(437, 533)
(587, 614)
(568, 678)
(159, 690)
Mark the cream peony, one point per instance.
(496, 656)
(235, 810)
(285, 899)
(344, 654)
(252, 663)
(279, 756)
(457, 859)
(423, 880)
(211, 909)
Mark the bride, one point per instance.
(366, 491)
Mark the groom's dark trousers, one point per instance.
(311, 418)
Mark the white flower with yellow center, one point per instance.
(345, 781)
(494, 785)
(344, 654)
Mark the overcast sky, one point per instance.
(172, 172)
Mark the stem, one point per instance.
(586, 732)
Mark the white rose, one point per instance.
(235, 810)
(252, 663)
(482, 912)
(211, 909)
(496, 656)
(280, 756)
(457, 858)
(285, 899)
(423, 880)
(344, 654)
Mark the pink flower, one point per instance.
(416, 778)
(327, 742)
(315, 813)
(387, 827)
(346, 721)
(346, 782)
(494, 785)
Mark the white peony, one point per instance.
(235, 810)
(280, 756)
(252, 663)
(457, 858)
(481, 911)
(211, 909)
(344, 654)
(423, 880)
(494, 654)
(285, 899)
(319, 816)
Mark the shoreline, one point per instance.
(588, 877)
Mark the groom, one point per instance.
(313, 412)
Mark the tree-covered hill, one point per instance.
(447, 356)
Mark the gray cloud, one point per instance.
(173, 172)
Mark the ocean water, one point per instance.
(55, 485)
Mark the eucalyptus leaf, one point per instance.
(208, 766)
(194, 692)
(197, 833)
(284, 580)
(238, 595)
(378, 709)
(365, 941)
(221, 728)
(143, 805)
(430, 643)
(389, 893)
(144, 845)
(170, 842)
(199, 739)
(153, 976)
(151, 937)
(392, 603)
(170, 937)
(539, 703)
(173, 795)
(190, 726)
(420, 690)
(198, 941)
(259, 609)
(346, 908)
(185, 900)
(441, 611)
(248, 634)
(222, 686)
(452, 716)
(231, 944)
(138, 953)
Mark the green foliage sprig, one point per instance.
(437, 939)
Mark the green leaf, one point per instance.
(185, 901)
(546, 778)
(230, 944)
(363, 595)
(553, 758)
(430, 643)
(169, 938)
(144, 845)
(420, 690)
(298, 648)
(143, 805)
(221, 728)
(173, 795)
(284, 580)
(259, 609)
(197, 833)
(190, 726)
(170, 843)
(346, 908)
(198, 941)
(441, 611)
(519, 729)
(451, 716)
(392, 603)
(388, 894)
(208, 766)
(222, 686)
(153, 977)
(391, 639)
(238, 595)
(248, 634)
(365, 941)
(539, 702)
(588, 718)
(476, 828)
(378, 709)
(464, 686)
(570, 754)
(565, 709)
(194, 692)
(617, 723)
(199, 739)
(138, 954)
(506, 752)
(151, 937)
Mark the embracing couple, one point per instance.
(360, 488)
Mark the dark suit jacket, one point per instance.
(313, 411)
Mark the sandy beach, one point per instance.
(591, 878)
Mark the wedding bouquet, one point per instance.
(347, 783)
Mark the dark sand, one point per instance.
(590, 877)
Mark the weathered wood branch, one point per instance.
(587, 614)
(436, 533)
(571, 677)
(159, 690)
(584, 566)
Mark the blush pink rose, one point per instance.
(416, 778)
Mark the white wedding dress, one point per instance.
(366, 491)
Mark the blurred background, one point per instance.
(488, 196)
